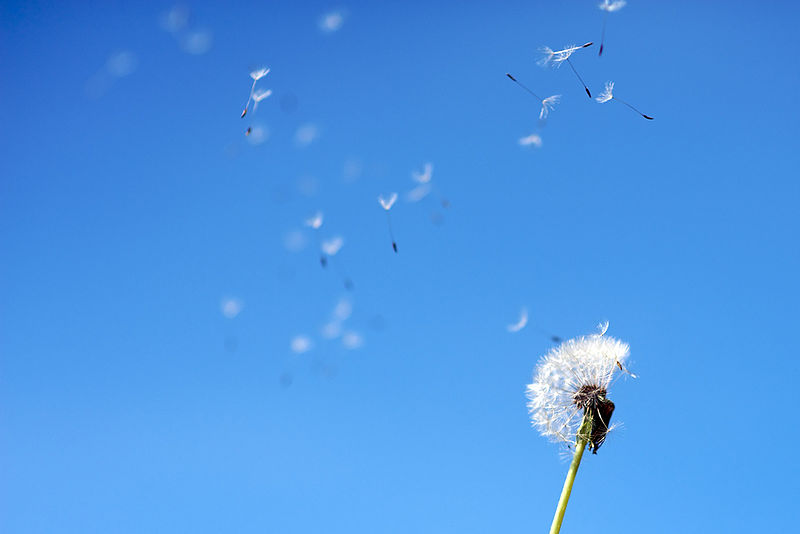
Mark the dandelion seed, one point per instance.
(315, 221)
(306, 135)
(386, 204)
(547, 103)
(352, 340)
(520, 324)
(331, 330)
(418, 193)
(256, 75)
(425, 176)
(331, 22)
(608, 6)
(300, 344)
(608, 94)
(557, 57)
(332, 246)
(531, 140)
(257, 134)
(197, 42)
(568, 398)
(231, 307)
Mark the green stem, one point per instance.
(583, 434)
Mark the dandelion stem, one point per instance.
(583, 436)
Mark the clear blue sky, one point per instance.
(131, 204)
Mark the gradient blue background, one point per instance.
(129, 403)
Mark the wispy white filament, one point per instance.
(548, 104)
(315, 222)
(387, 202)
(590, 360)
(557, 57)
(531, 140)
(611, 5)
(607, 94)
(332, 246)
(425, 176)
(520, 324)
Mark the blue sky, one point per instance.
(132, 204)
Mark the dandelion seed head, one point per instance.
(569, 377)
(607, 94)
(612, 5)
(387, 202)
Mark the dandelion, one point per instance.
(520, 324)
(608, 6)
(547, 103)
(256, 75)
(386, 204)
(608, 94)
(557, 57)
(568, 398)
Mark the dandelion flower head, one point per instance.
(565, 374)
(607, 94)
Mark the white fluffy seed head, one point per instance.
(591, 360)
